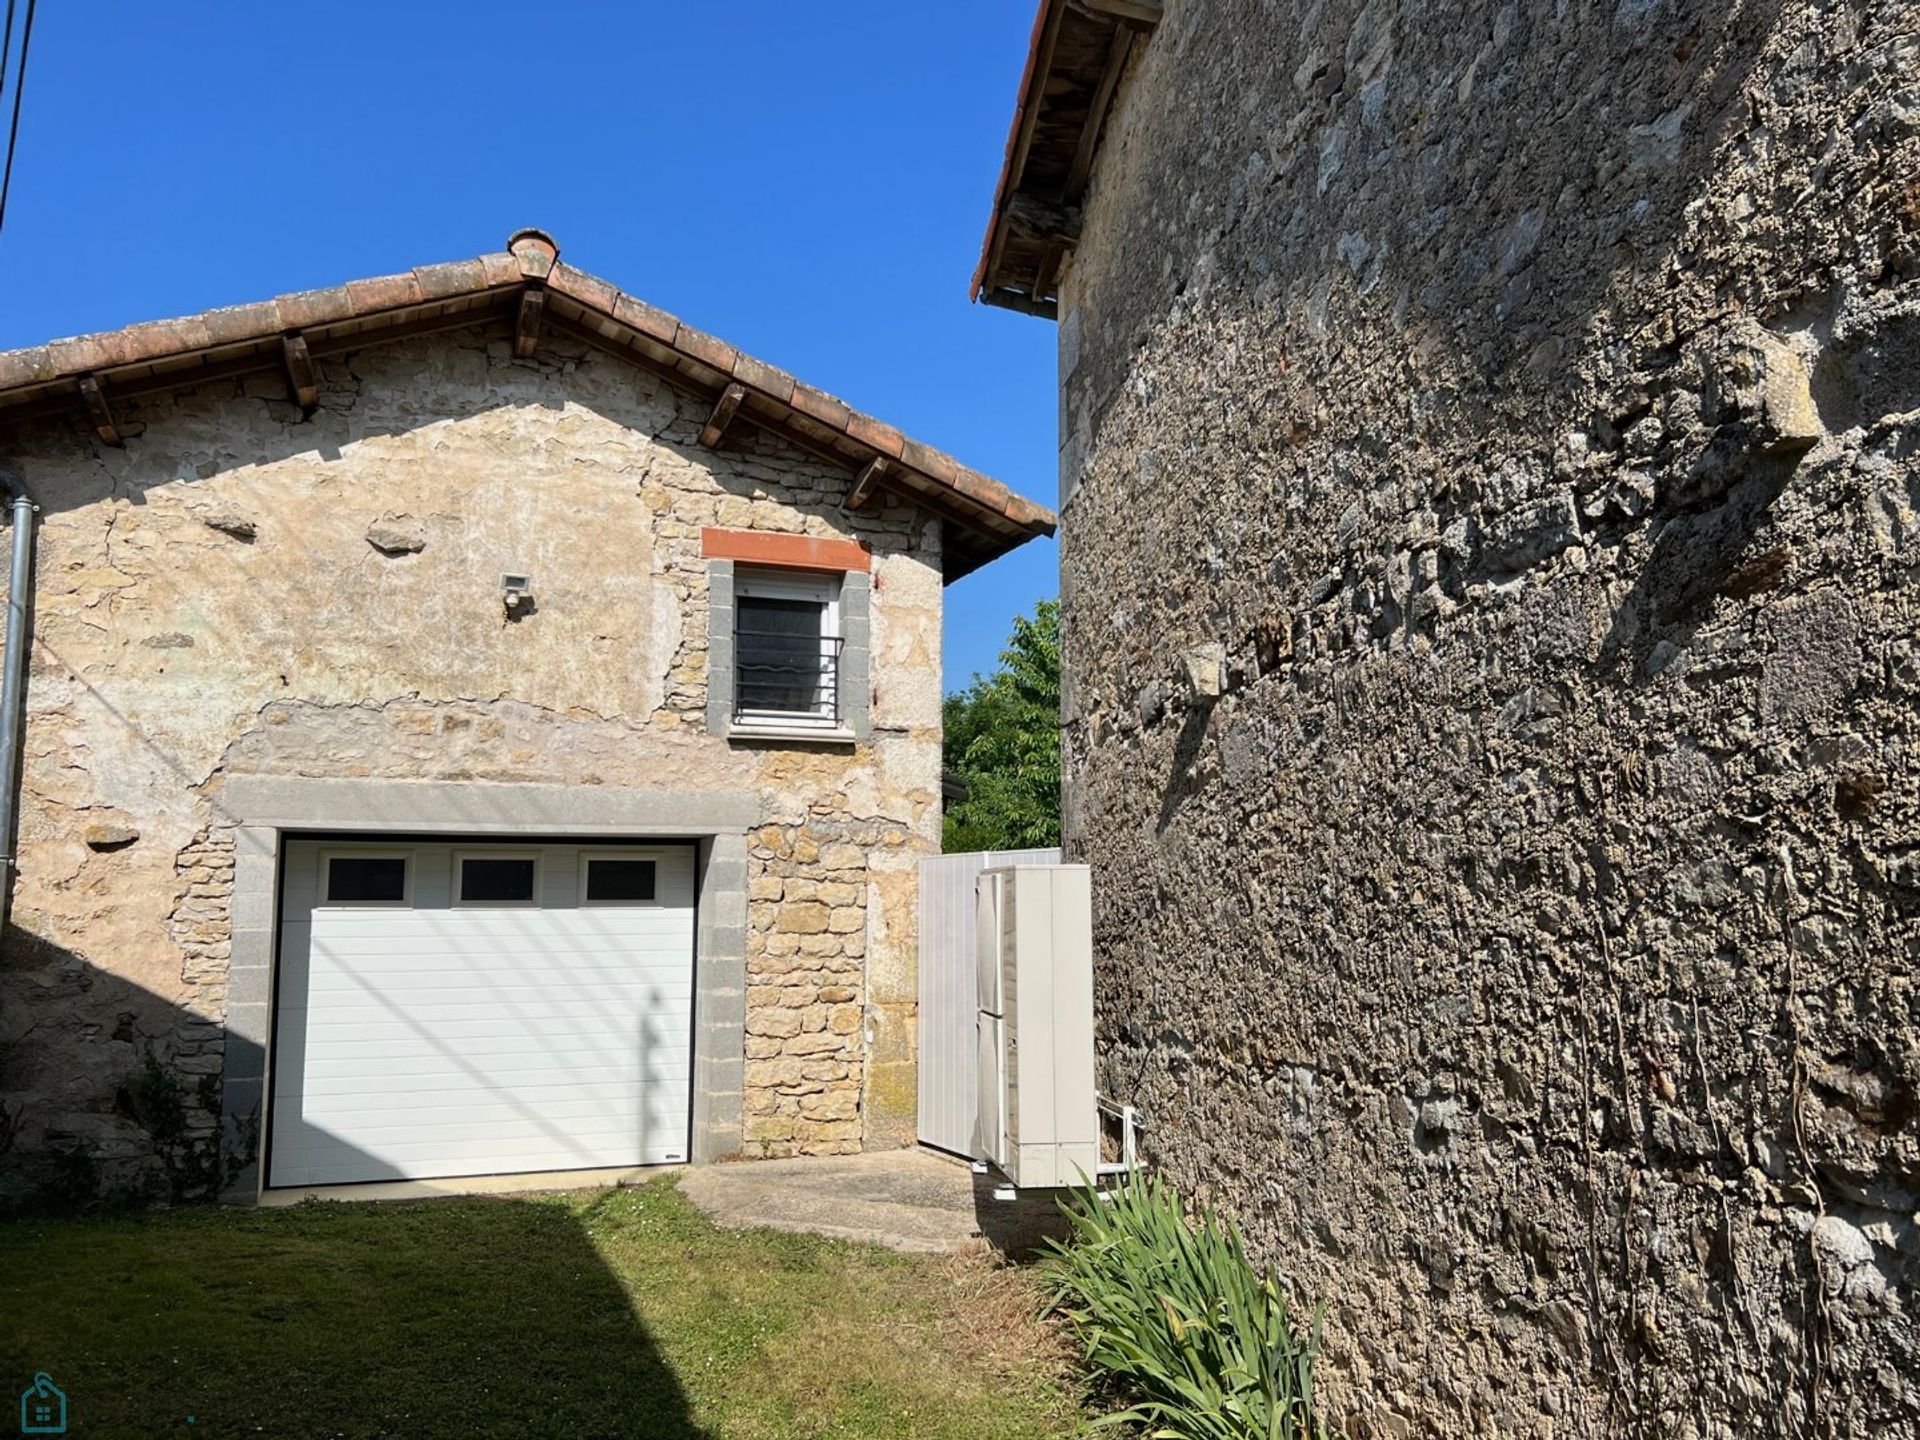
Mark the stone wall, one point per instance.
(1490, 634)
(244, 590)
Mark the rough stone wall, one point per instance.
(1490, 635)
(244, 590)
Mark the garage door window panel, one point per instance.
(621, 877)
(373, 878)
(499, 881)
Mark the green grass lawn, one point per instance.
(620, 1313)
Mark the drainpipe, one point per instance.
(13, 678)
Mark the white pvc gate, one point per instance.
(949, 998)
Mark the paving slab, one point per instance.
(914, 1200)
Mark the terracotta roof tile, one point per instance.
(647, 319)
(316, 307)
(589, 290)
(764, 378)
(235, 324)
(383, 292)
(818, 405)
(26, 367)
(705, 348)
(881, 437)
(158, 339)
(500, 268)
(455, 277)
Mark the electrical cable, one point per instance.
(19, 91)
(6, 49)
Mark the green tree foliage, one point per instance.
(1003, 741)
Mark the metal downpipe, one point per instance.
(13, 680)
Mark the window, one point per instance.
(616, 880)
(497, 879)
(787, 651)
(365, 879)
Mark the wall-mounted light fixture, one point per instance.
(518, 590)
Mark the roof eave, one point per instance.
(85, 373)
(1077, 53)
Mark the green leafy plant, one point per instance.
(1002, 738)
(1172, 1312)
(195, 1165)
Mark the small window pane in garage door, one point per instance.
(613, 881)
(366, 879)
(496, 882)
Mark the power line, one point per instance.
(19, 90)
(6, 49)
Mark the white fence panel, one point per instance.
(948, 996)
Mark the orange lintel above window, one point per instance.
(791, 552)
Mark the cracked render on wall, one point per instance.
(247, 589)
(1490, 635)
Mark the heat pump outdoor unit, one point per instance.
(1038, 1120)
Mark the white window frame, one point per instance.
(328, 855)
(590, 853)
(819, 586)
(495, 852)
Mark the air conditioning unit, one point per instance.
(1038, 1119)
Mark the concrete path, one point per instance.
(905, 1199)
(914, 1200)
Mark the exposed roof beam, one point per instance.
(1048, 272)
(1141, 14)
(868, 483)
(722, 416)
(1117, 52)
(98, 410)
(302, 376)
(526, 325)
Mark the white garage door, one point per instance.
(453, 1009)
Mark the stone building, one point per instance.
(1489, 540)
(476, 723)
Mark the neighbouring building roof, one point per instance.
(1078, 52)
(527, 288)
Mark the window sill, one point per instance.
(793, 734)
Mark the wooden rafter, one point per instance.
(1117, 51)
(1141, 14)
(868, 483)
(98, 410)
(526, 324)
(303, 378)
(722, 416)
(1047, 272)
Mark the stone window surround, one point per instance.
(856, 653)
(264, 808)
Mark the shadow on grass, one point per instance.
(467, 1318)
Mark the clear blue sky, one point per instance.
(809, 182)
